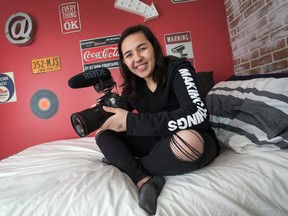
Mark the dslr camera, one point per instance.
(89, 120)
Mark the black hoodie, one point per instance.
(175, 106)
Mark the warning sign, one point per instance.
(180, 45)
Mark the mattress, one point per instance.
(67, 177)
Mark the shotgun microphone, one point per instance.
(90, 78)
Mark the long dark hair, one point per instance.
(130, 80)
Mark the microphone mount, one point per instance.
(104, 86)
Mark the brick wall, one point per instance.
(259, 35)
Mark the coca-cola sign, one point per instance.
(106, 53)
(100, 52)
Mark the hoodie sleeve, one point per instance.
(191, 112)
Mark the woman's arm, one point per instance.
(192, 112)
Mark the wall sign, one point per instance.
(44, 104)
(69, 17)
(19, 29)
(100, 52)
(47, 64)
(7, 88)
(179, 44)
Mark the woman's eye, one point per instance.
(127, 56)
(142, 48)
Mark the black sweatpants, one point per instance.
(141, 156)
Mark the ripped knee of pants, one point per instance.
(187, 145)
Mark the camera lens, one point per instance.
(89, 120)
(79, 125)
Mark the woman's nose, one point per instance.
(138, 58)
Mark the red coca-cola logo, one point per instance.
(108, 53)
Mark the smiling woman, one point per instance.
(138, 55)
(170, 132)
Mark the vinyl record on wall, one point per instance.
(44, 104)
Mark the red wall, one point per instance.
(20, 128)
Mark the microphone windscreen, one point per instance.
(89, 78)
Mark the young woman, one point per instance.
(170, 132)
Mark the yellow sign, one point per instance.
(47, 64)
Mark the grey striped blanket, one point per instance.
(250, 115)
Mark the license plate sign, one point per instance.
(47, 64)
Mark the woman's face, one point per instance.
(138, 55)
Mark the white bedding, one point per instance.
(67, 178)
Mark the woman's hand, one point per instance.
(116, 122)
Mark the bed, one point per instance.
(249, 177)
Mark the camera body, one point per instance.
(91, 119)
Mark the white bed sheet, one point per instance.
(67, 177)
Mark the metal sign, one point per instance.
(100, 52)
(47, 64)
(180, 44)
(69, 17)
(19, 29)
(7, 88)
